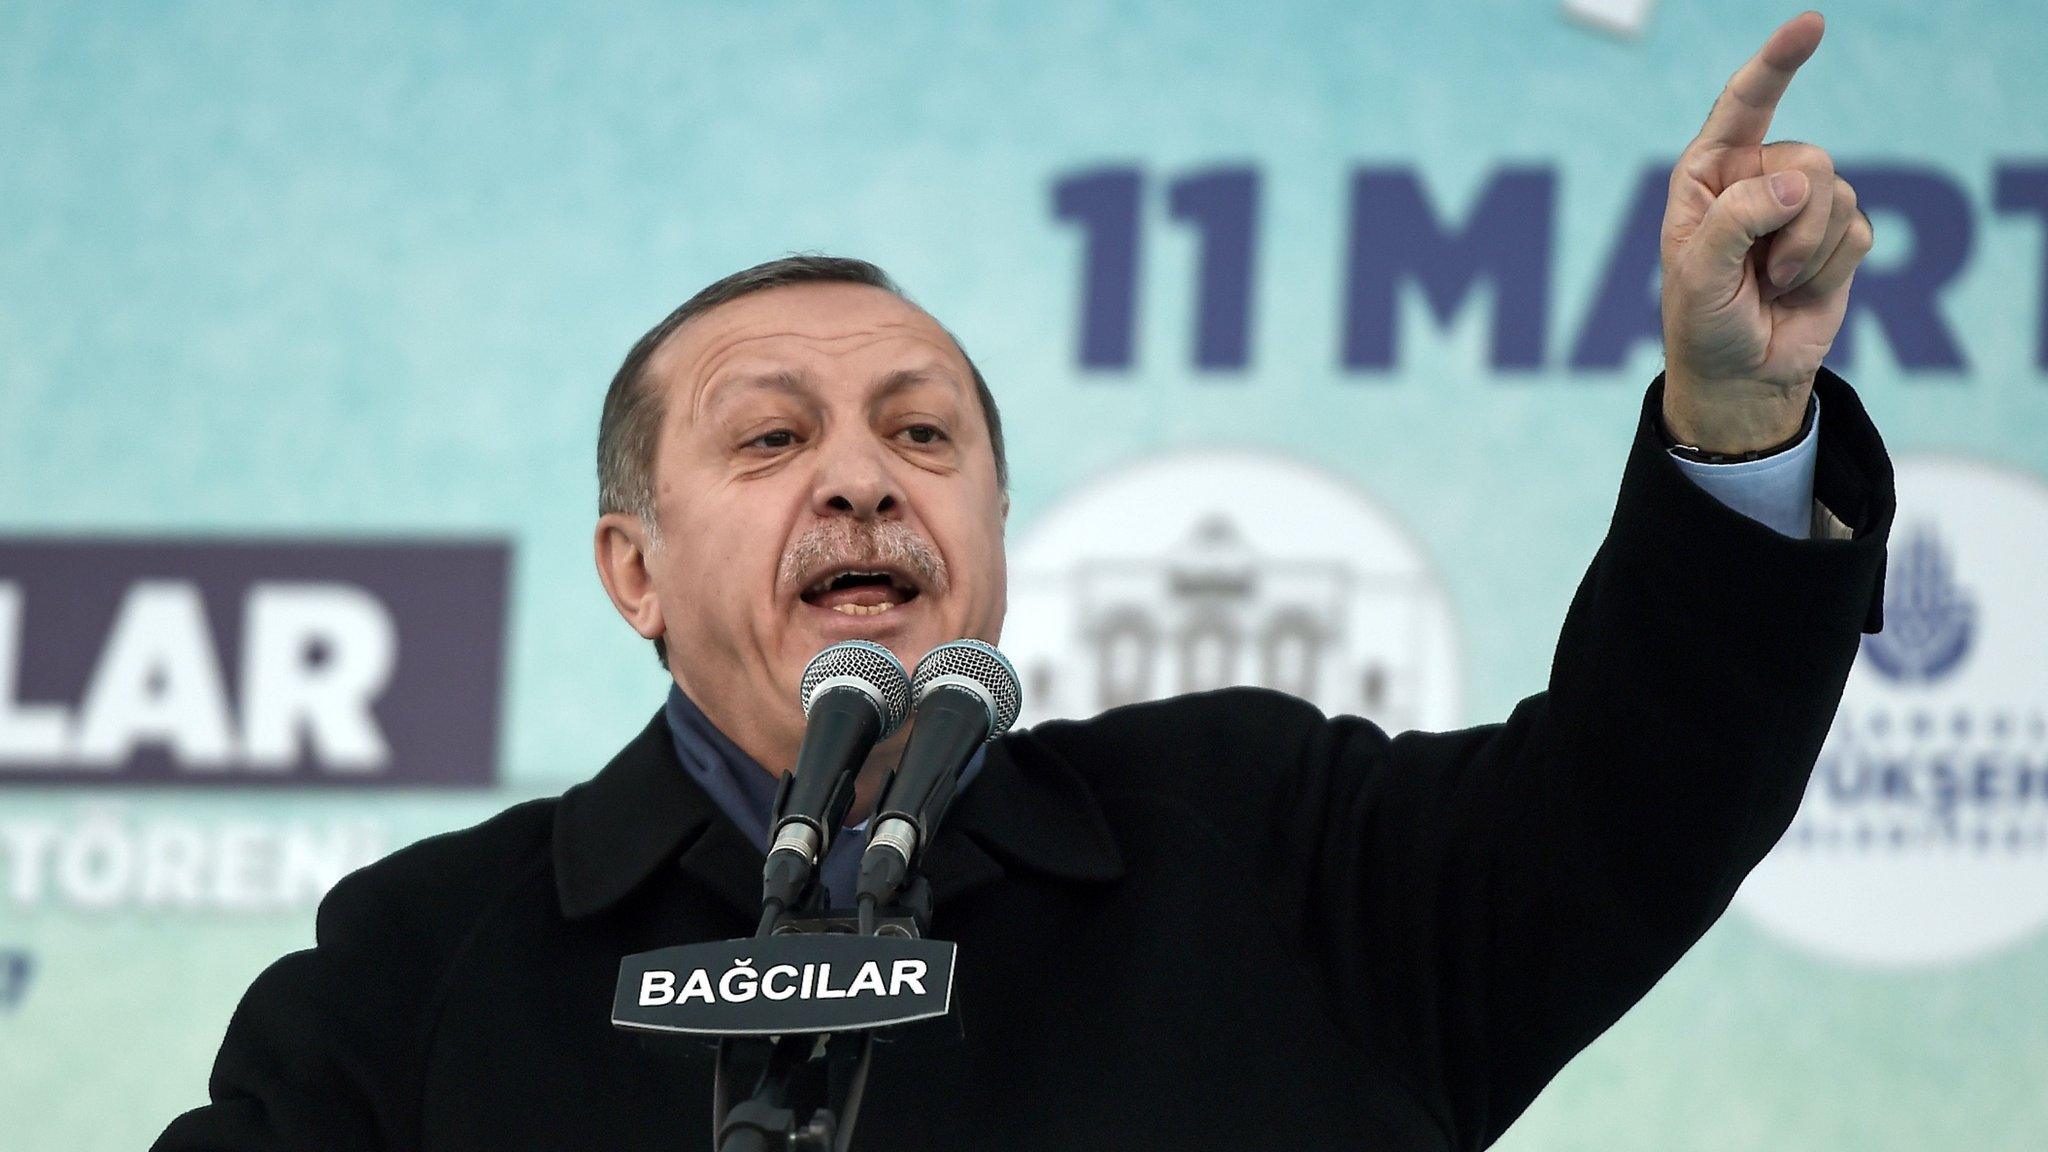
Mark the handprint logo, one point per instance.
(1928, 619)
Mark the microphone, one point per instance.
(854, 695)
(966, 694)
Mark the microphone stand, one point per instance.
(808, 1093)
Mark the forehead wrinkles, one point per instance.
(702, 370)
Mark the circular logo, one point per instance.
(1202, 570)
(1923, 836)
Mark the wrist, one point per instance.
(1734, 419)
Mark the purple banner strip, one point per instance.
(293, 662)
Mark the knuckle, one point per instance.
(1800, 154)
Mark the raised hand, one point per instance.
(1759, 244)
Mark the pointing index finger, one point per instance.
(1742, 114)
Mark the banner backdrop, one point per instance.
(1319, 331)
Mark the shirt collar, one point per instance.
(1030, 810)
(735, 781)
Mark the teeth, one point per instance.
(860, 610)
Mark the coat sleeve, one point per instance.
(1484, 903)
(323, 1053)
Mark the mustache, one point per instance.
(876, 543)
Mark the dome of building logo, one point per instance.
(1923, 836)
(1202, 570)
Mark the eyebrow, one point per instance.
(784, 380)
(904, 379)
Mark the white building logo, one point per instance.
(1202, 570)
(1923, 837)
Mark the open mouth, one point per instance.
(855, 592)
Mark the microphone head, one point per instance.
(977, 667)
(867, 668)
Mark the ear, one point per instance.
(621, 547)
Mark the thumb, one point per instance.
(1745, 212)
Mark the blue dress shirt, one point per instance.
(1776, 490)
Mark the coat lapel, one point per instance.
(616, 830)
(1029, 809)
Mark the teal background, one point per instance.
(314, 268)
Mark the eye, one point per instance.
(777, 438)
(924, 433)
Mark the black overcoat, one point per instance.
(1217, 921)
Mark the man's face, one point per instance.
(823, 473)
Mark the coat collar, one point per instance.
(643, 812)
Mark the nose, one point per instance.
(853, 479)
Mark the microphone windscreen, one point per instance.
(979, 668)
(866, 667)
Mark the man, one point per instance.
(1215, 921)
